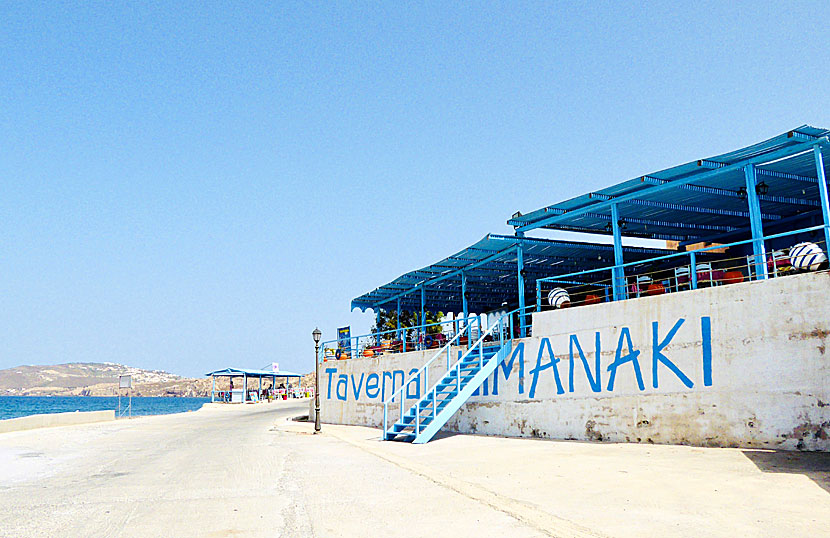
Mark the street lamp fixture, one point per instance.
(316, 334)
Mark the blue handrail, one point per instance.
(477, 346)
(691, 254)
(425, 370)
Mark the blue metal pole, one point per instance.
(822, 191)
(377, 326)
(422, 331)
(464, 296)
(520, 262)
(464, 305)
(617, 272)
(399, 319)
(693, 269)
(758, 250)
(213, 390)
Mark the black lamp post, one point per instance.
(316, 334)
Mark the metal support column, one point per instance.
(399, 318)
(618, 273)
(693, 269)
(758, 250)
(422, 331)
(213, 390)
(520, 266)
(377, 326)
(244, 388)
(824, 200)
(464, 297)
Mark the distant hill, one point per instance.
(101, 379)
(95, 379)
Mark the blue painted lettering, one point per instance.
(706, 334)
(383, 385)
(593, 380)
(554, 360)
(372, 386)
(619, 360)
(507, 368)
(330, 371)
(657, 355)
(417, 382)
(342, 382)
(356, 389)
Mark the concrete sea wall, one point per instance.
(54, 419)
(741, 365)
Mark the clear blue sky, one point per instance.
(187, 186)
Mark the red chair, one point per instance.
(655, 289)
(732, 277)
(593, 298)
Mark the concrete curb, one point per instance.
(49, 420)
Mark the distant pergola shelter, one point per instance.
(241, 395)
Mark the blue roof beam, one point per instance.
(629, 233)
(798, 135)
(646, 222)
(460, 270)
(715, 191)
(687, 208)
(737, 167)
(785, 175)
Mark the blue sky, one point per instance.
(188, 186)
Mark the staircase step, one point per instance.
(410, 415)
(445, 394)
(408, 437)
(447, 381)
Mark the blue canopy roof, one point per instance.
(703, 199)
(250, 372)
(491, 270)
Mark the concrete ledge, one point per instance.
(54, 419)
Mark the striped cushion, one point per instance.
(807, 256)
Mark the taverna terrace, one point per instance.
(714, 334)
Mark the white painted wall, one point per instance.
(769, 372)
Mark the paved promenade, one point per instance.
(247, 471)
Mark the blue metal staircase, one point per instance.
(440, 401)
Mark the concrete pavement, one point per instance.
(573, 488)
(248, 471)
(221, 471)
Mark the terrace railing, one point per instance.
(462, 330)
(709, 266)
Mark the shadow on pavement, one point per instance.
(443, 435)
(813, 465)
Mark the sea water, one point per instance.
(21, 406)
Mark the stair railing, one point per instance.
(500, 325)
(468, 324)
